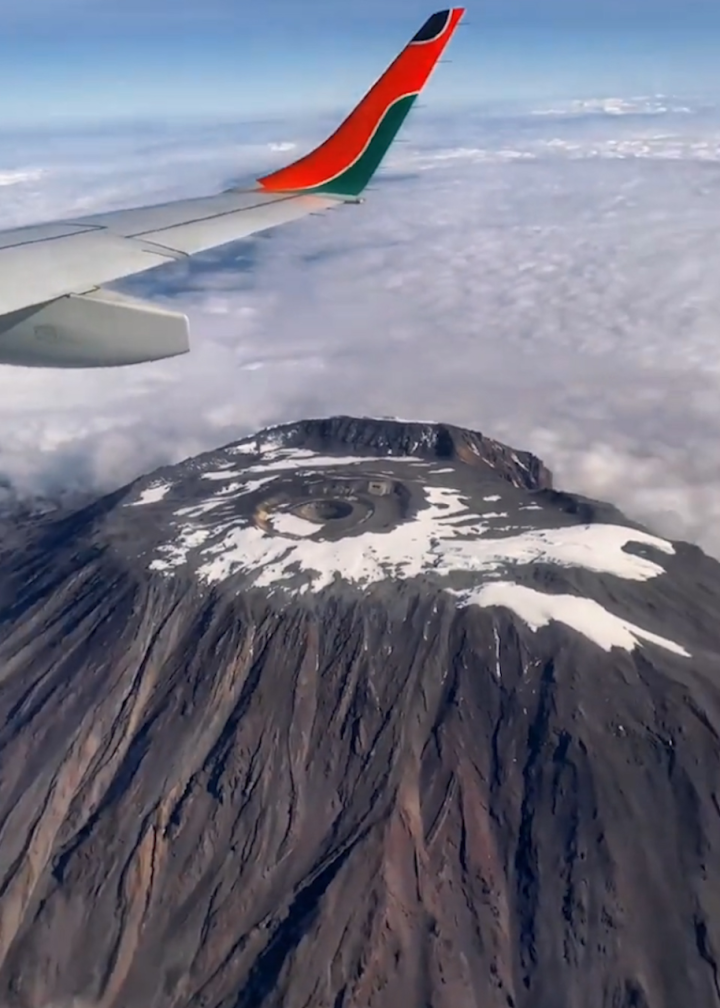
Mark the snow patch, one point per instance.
(445, 537)
(292, 525)
(176, 553)
(152, 494)
(223, 474)
(588, 617)
(430, 543)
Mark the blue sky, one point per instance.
(90, 59)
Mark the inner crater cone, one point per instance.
(325, 510)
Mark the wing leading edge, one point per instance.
(51, 302)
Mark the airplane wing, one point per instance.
(54, 310)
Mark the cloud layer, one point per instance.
(503, 275)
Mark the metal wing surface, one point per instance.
(54, 310)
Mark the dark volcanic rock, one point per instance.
(348, 788)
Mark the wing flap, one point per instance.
(98, 329)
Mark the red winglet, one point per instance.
(405, 77)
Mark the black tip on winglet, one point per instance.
(433, 27)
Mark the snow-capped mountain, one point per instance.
(476, 523)
(352, 713)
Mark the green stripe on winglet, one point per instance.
(352, 182)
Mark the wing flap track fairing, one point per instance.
(101, 328)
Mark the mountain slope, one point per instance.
(357, 713)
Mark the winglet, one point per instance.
(344, 164)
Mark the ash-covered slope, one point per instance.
(357, 714)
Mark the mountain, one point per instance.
(357, 714)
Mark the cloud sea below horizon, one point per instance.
(544, 275)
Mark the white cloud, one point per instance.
(20, 176)
(647, 105)
(565, 305)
